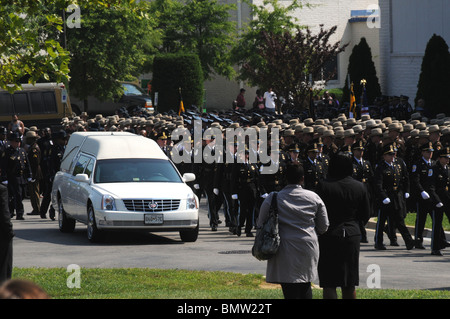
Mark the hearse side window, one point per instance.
(89, 168)
(80, 165)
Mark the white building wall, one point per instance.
(406, 28)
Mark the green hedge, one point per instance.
(174, 71)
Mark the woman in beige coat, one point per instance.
(302, 216)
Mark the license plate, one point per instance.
(153, 219)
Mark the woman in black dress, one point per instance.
(347, 204)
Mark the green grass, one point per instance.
(411, 221)
(137, 283)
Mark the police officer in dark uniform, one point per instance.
(34, 158)
(388, 189)
(55, 156)
(3, 142)
(272, 175)
(362, 171)
(205, 172)
(244, 178)
(442, 183)
(422, 184)
(161, 140)
(314, 171)
(322, 157)
(17, 172)
(222, 186)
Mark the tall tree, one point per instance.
(434, 79)
(270, 17)
(361, 66)
(289, 59)
(113, 44)
(27, 51)
(202, 27)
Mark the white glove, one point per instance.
(216, 191)
(425, 195)
(5, 182)
(406, 195)
(196, 186)
(439, 205)
(264, 195)
(386, 201)
(234, 196)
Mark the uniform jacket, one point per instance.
(34, 157)
(442, 183)
(16, 165)
(388, 184)
(422, 179)
(314, 173)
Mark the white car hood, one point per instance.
(145, 190)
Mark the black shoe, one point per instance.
(410, 245)
(380, 247)
(249, 235)
(238, 231)
(419, 246)
(364, 240)
(436, 253)
(33, 213)
(43, 217)
(447, 244)
(20, 218)
(394, 243)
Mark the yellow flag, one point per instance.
(352, 100)
(181, 110)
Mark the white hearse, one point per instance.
(122, 181)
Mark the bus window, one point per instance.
(6, 103)
(21, 103)
(49, 102)
(37, 105)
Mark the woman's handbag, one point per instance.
(267, 239)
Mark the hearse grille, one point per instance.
(151, 205)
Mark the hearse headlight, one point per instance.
(108, 203)
(191, 202)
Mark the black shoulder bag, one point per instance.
(267, 239)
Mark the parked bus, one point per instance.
(40, 104)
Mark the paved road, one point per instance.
(39, 243)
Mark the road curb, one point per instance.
(372, 224)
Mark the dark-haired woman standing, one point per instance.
(347, 204)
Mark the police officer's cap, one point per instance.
(312, 147)
(358, 146)
(61, 134)
(14, 136)
(444, 152)
(162, 136)
(389, 149)
(294, 148)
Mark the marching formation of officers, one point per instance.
(404, 165)
(28, 164)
